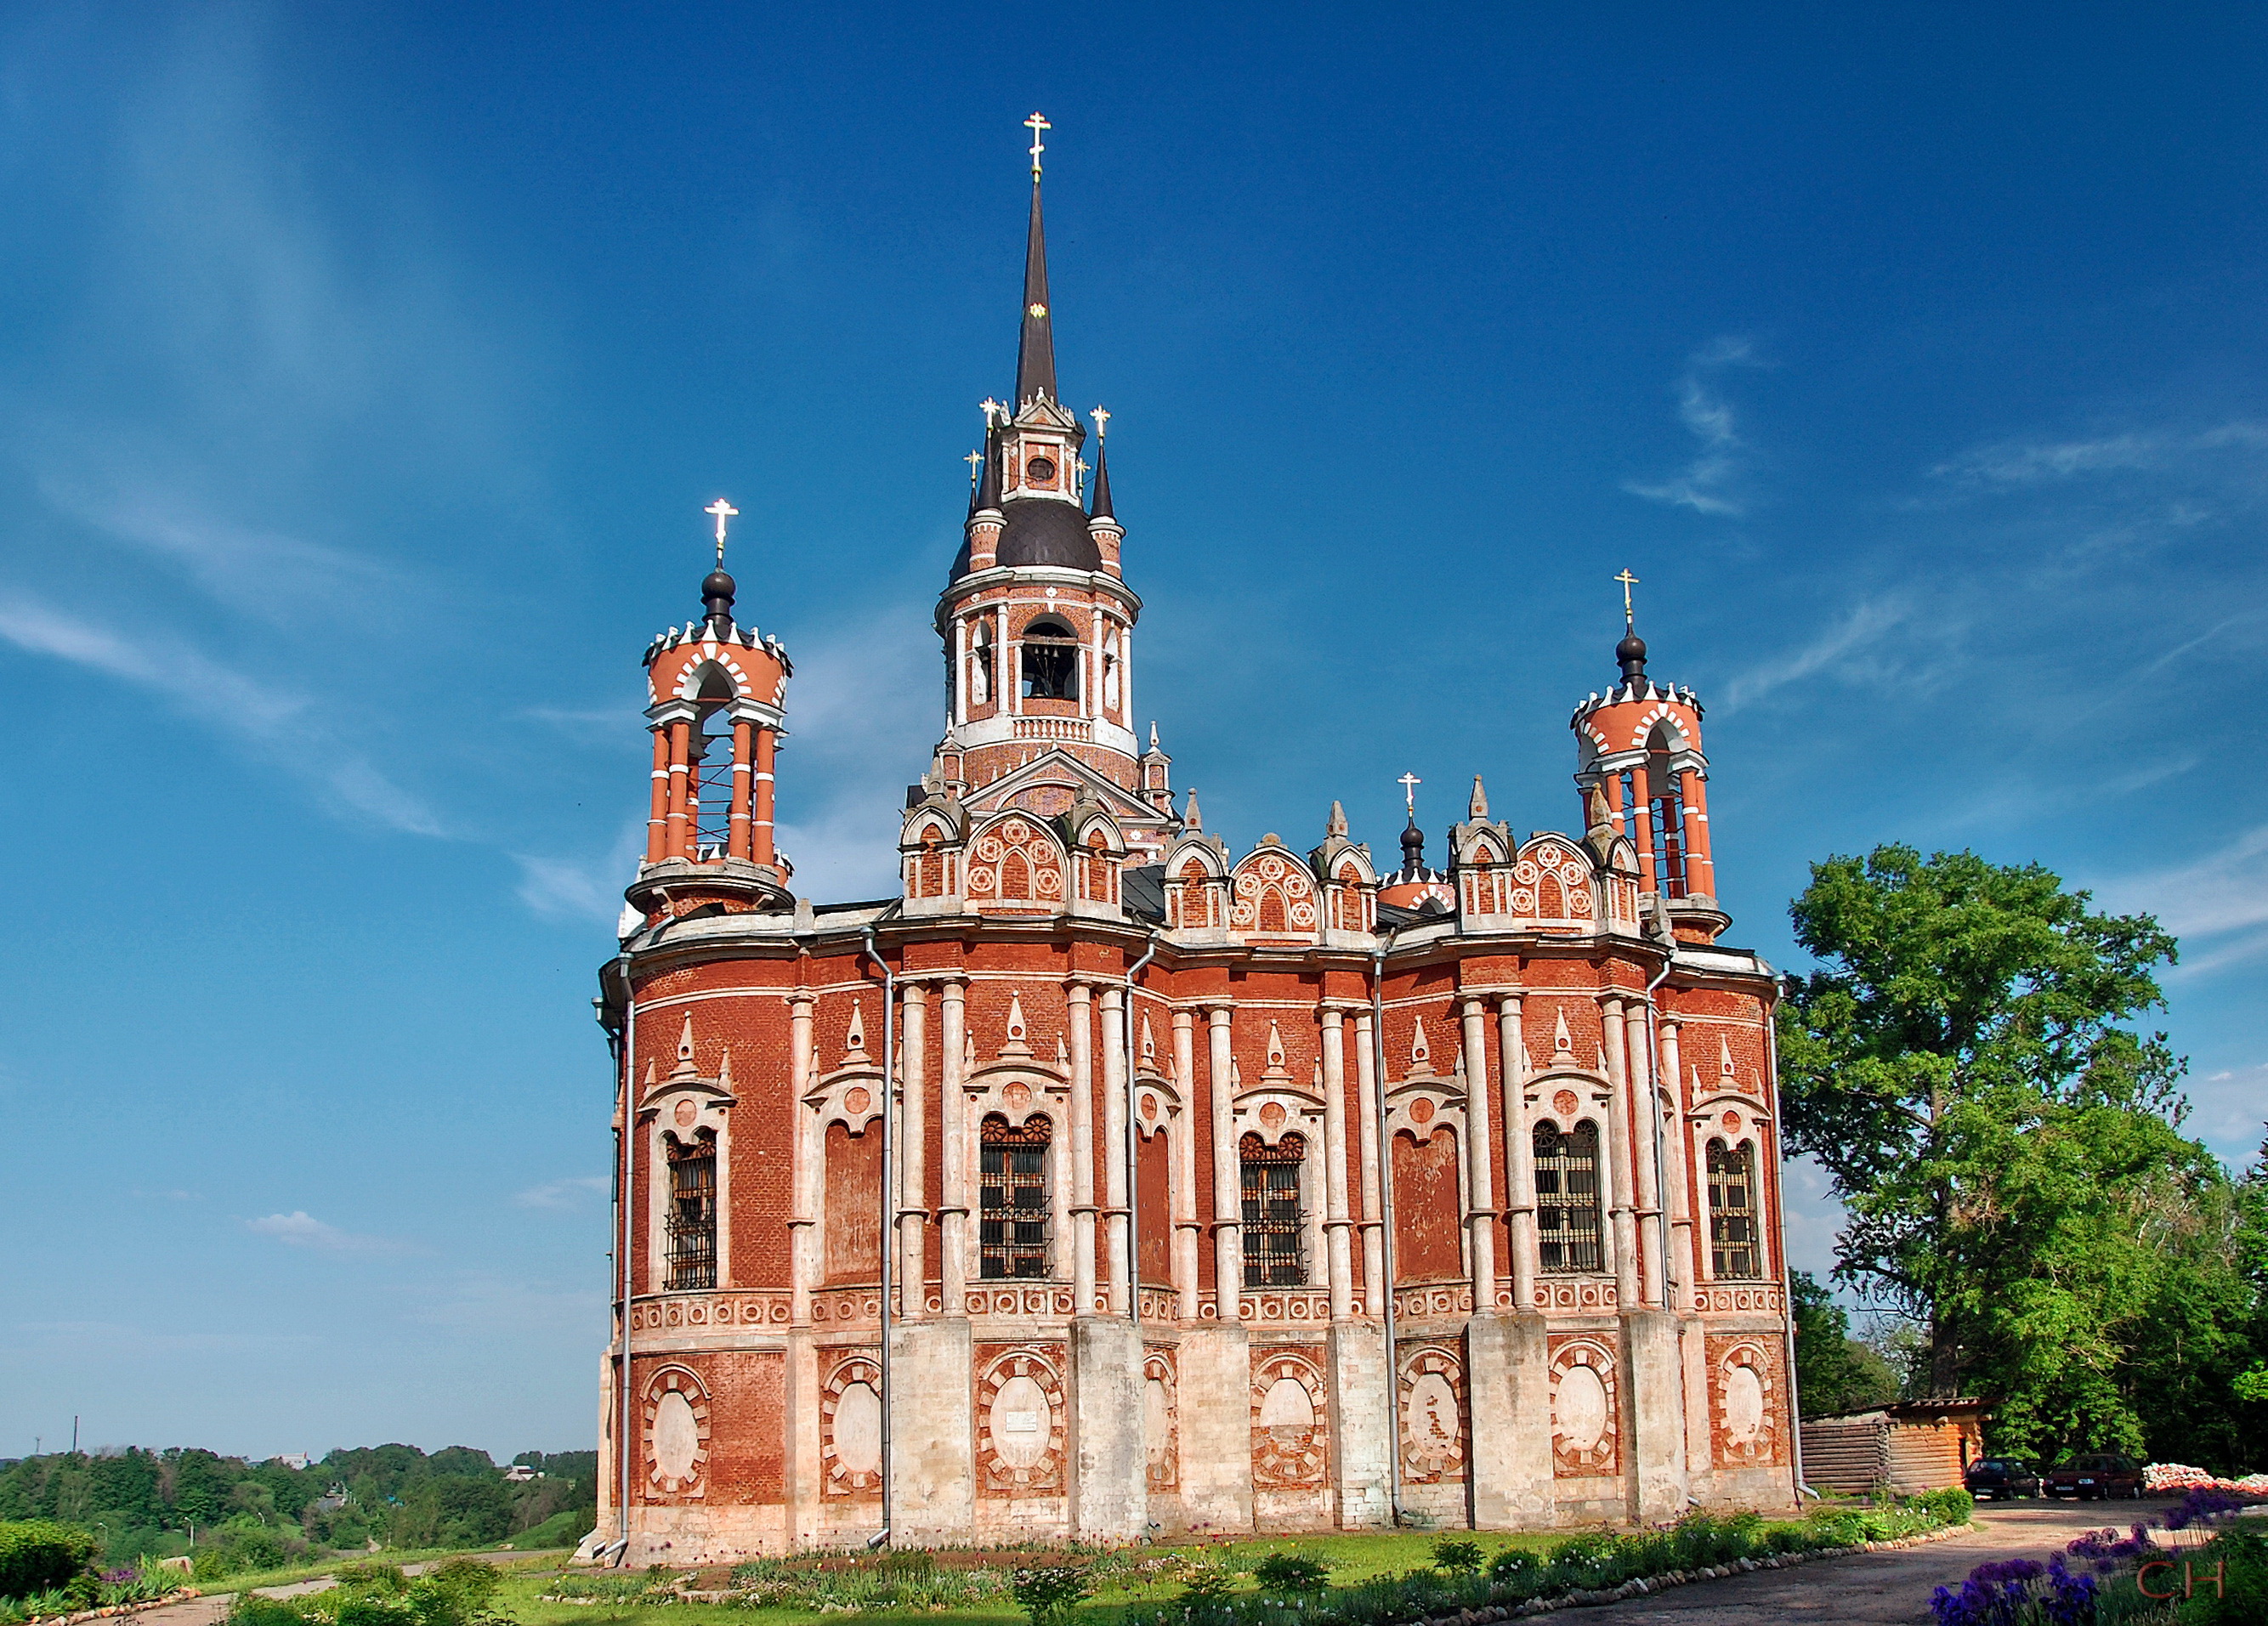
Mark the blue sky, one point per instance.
(364, 372)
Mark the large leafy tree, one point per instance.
(2007, 1145)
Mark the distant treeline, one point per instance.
(236, 1515)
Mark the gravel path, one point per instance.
(1875, 1589)
(214, 1607)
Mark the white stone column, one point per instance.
(1480, 1145)
(1681, 1185)
(1373, 1209)
(1081, 1148)
(1228, 1176)
(1646, 1114)
(913, 1145)
(1618, 1154)
(1519, 1152)
(1335, 1158)
(1188, 1226)
(953, 1154)
(1117, 1179)
(804, 1238)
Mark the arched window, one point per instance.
(1733, 1253)
(711, 762)
(692, 1223)
(1272, 1256)
(1051, 661)
(1567, 1217)
(980, 666)
(1012, 1185)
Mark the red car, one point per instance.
(2091, 1478)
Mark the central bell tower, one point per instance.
(1036, 618)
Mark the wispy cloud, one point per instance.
(2023, 463)
(1710, 483)
(301, 1229)
(2217, 904)
(582, 888)
(1864, 630)
(574, 1192)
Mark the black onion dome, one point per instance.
(1413, 847)
(717, 591)
(1629, 654)
(1042, 530)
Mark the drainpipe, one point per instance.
(625, 1150)
(1385, 1218)
(1133, 1143)
(889, 1230)
(1787, 1278)
(1653, 1111)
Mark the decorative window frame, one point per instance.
(1708, 1123)
(1545, 1096)
(1015, 1088)
(679, 1109)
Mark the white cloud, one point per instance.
(2222, 894)
(571, 1193)
(1709, 484)
(1867, 626)
(301, 1229)
(2009, 464)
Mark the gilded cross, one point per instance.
(1101, 416)
(1035, 124)
(1410, 783)
(724, 511)
(988, 407)
(975, 459)
(1628, 582)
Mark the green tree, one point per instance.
(1834, 1371)
(2008, 1148)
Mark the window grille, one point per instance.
(1272, 1254)
(712, 786)
(1013, 1197)
(692, 1224)
(1567, 1219)
(1733, 1253)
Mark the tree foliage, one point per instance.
(1834, 1371)
(2009, 1149)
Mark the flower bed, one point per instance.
(2161, 1477)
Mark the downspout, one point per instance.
(1653, 1111)
(625, 1149)
(1133, 1144)
(1385, 1218)
(1787, 1278)
(889, 1230)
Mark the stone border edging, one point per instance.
(111, 1611)
(1646, 1586)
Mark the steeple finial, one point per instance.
(1477, 808)
(1336, 824)
(717, 588)
(1100, 508)
(987, 494)
(1035, 350)
(1629, 654)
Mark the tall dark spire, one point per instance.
(987, 494)
(1100, 508)
(1036, 351)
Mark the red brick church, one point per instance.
(1108, 1181)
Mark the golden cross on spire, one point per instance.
(1035, 124)
(976, 460)
(1410, 783)
(724, 511)
(1630, 616)
(1101, 416)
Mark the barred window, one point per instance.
(692, 1226)
(1733, 1253)
(1012, 1195)
(1272, 1255)
(1567, 1219)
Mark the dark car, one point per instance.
(2101, 1474)
(2000, 1478)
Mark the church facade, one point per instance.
(1108, 1181)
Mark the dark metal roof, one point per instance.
(1043, 530)
(1144, 891)
(1101, 508)
(1035, 349)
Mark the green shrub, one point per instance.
(252, 1609)
(39, 1556)
(1047, 1595)
(1205, 1583)
(1456, 1557)
(1515, 1566)
(2242, 1595)
(1292, 1572)
(1952, 1506)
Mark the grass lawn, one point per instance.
(1352, 1558)
(252, 1580)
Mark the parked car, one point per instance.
(2097, 1476)
(2000, 1478)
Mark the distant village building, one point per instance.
(1224, 1191)
(1911, 1447)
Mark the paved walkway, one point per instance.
(214, 1607)
(1873, 1589)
